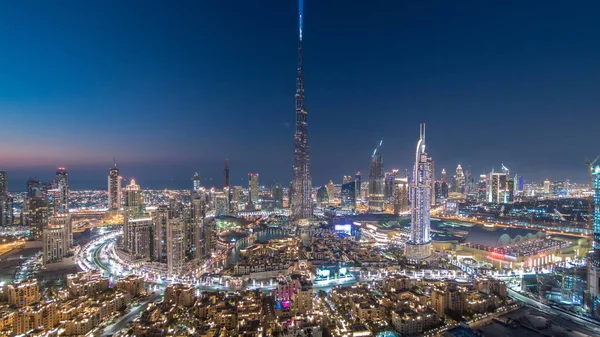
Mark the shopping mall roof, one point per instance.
(497, 237)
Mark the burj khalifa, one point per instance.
(301, 202)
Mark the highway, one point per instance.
(588, 324)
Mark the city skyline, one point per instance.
(433, 67)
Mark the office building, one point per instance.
(114, 189)
(322, 196)
(253, 188)
(546, 186)
(418, 246)
(497, 187)
(444, 175)
(376, 181)
(388, 187)
(458, 185)
(277, 196)
(357, 178)
(175, 246)
(349, 195)
(482, 187)
(61, 183)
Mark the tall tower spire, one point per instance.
(301, 202)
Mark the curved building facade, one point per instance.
(419, 245)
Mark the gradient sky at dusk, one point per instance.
(174, 87)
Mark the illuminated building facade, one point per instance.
(418, 246)
(175, 246)
(497, 187)
(459, 180)
(161, 216)
(376, 181)
(138, 233)
(55, 243)
(594, 264)
(133, 200)
(301, 201)
(349, 195)
(482, 187)
(253, 188)
(114, 189)
(196, 181)
(61, 183)
(401, 195)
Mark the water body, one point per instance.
(260, 236)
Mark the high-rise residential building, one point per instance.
(160, 218)
(401, 195)
(138, 235)
(63, 220)
(61, 183)
(346, 179)
(133, 203)
(349, 195)
(210, 236)
(376, 180)
(198, 213)
(3, 182)
(114, 188)
(418, 246)
(6, 210)
(6, 201)
(546, 186)
(458, 185)
(55, 243)
(497, 187)
(221, 202)
(35, 216)
(175, 246)
(253, 188)
(594, 260)
(444, 175)
(196, 182)
(301, 201)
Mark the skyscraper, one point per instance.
(349, 195)
(482, 187)
(3, 182)
(226, 174)
(301, 202)
(61, 183)
(444, 175)
(277, 196)
(376, 180)
(133, 200)
(459, 180)
(114, 189)
(594, 264)
(253, 188)
(401, 195)
(497, 187)
(175, 246)
(418, 246)
(6, 202)
(196, 181)
(357, 177)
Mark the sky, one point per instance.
(169, 88)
